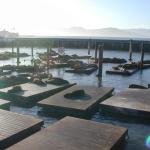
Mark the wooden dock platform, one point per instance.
(75, 134)
(4, 104)
(131, 102)
(119, 72)
(32, 93)
(82, 106)
(15, 127)
(82, 71)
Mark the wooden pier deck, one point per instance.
(31, 93)
(15, 127)
(119, 72)
(4, 104)
(131, 102)
(80, 106)
(82, 71)
(75, 134)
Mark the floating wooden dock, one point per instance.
(58, 65)
(120, 72)
(82, 71)
(31, 93)
(80, 106)
(11, 81)
(15, 127)
(74, 134)
(131, 102)
(4, 104)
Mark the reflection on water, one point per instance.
(138, 133)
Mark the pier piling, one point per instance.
(12, 47)
(32, 54)
(100, 60)
(18, 51)
(130, 50)
(96, 52)
(48, 58)
(142, 55)
(89, 47)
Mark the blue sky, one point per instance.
(124, 13)
(41, 17)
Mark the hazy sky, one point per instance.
(42, 17)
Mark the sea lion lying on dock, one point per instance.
(75, 94)
(137, 86)
(57, 81)
(38, 81)
(15, 89)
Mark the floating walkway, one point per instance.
(74, 134)
(131, 102)
(15, 127)
(121, 72)
(82, 71)
(80, 106)
(32, 93)
(4, 104)
(58, 65)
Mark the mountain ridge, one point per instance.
(108, 32)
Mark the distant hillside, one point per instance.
(7, 34)
(107, 32)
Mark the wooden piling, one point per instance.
(96, 52)
(130, 50)
(100, 60)
(89, 47)
(32, 54)
(142, 55)
(48, 53)
(12, 47)
(18, 61)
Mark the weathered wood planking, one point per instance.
(80, 107)
(4, 104)
(15, 127)
(131, 102)
(31, 93)
(75, 134)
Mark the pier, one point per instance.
(15, 127)
(131, 102)
(77, 42)
(74, 134)
(79, 106)
(4, 104)
(31, 93)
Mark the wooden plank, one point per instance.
(81, 107)
(131, 102)
(74, 134)
(31, 93)
(15, 127)
(4, 104)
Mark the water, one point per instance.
(138, 132)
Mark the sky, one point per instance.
(44, 17)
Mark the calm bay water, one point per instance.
(138, 132)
